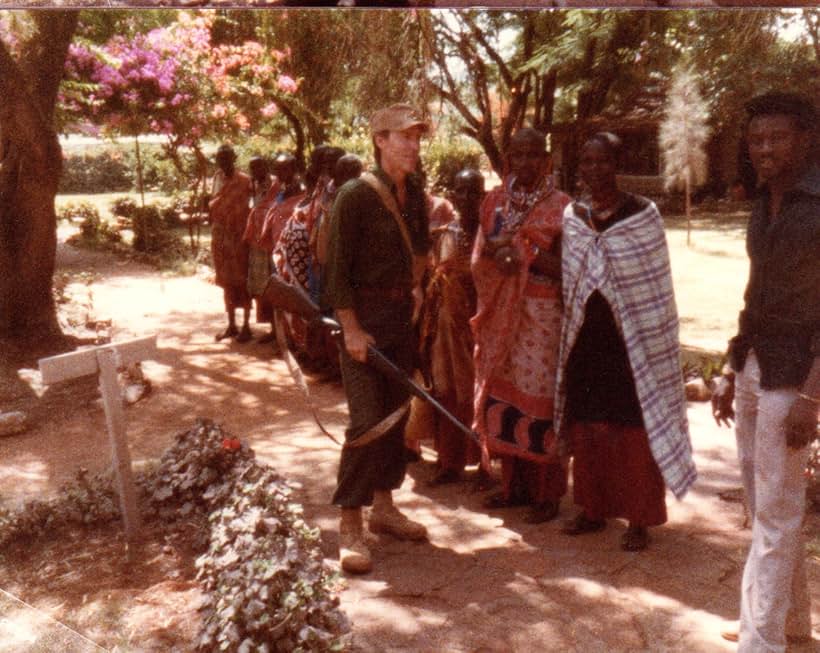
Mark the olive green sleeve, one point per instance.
(337, 288)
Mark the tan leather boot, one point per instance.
(386, 518)
(354, 555)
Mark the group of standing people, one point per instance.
(546, 323)
(268, 222)
(549, 323)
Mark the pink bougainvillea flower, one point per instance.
(286, 84)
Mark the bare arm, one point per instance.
(723, 398)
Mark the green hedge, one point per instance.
(101, 172)
(113, 168)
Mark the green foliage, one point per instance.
(151, 232)
(703, 366)
(100, 172)
(170, 211)
(443, 159)
(113, 168)
(267, 587)
(158, 172)
(79, 211)
(123, 207)
(262, 569)
(93, 229)
(84, 501)
(355, 141)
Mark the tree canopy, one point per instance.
(303, 77)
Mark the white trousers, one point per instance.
(774, 598)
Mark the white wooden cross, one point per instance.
(105, 360)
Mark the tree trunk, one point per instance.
(688, 192)
(30, 166)
(140, 186)
(298, 132)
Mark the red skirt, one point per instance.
(236, 296)
(455, 450)
(615, 475)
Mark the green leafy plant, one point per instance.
(444, 159)
(99, 172)
(151, 233)
(267, 586)
(124, 207)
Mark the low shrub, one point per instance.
(113, 168)
(443, 160)
(172, 210)
(93, 229)
(83, 212)
(124, 207)
(151, 232)
(267, 586)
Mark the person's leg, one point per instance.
(773, 570)
(513, 488)
(354, 554)
(546, 484)
(450, 444)
(245, 334)
(356, 475)
(230, 308)
(586, 486)
(385, 516)
(637, 489)
(360, 468)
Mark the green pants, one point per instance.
(379, 465)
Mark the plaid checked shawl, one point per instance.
(629, 265)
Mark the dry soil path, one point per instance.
(486, 581)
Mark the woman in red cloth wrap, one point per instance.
(516, 268)
(228, 213)
(446, 341)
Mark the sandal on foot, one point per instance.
(482, 481)
(245, 335)
(444, 477)
(230, 332)
(636, 538)
(541, 512)
(582, 524)
(500, 500)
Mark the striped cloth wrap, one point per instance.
(629, 265)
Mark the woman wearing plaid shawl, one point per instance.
(620, 402)
(516, 269)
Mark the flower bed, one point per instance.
(267, 586)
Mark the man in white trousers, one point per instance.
(775, 370)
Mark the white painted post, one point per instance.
(121, 457)
(105, 360)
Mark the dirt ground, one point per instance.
(486, 582)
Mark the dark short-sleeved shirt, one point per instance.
(368, 266)
(781, 316)
(600, 386)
